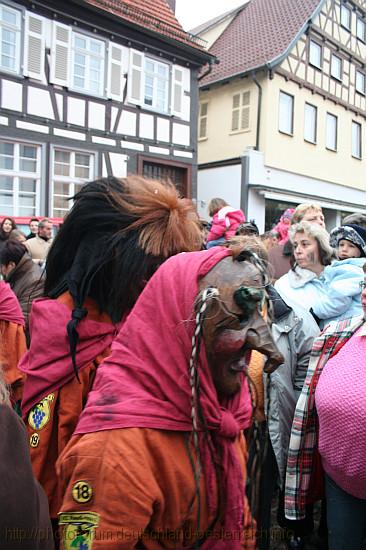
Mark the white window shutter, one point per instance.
(60, 54)
(177, 91)
(136, 77)
(34, 46)
(116, 81)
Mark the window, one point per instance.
(336, 67)
(286, 114)
(346, 17)
(19, 178)
(315, 54)
(310, 123)
(361, 29)
(240, 112)
(88, 64)
(202, 123)
(356, 140)
(156, 89)
(331, 132)
(156, 85)
(10, 25)
(360, 83)
(70, 171)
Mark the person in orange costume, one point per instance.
(158, 458)
(12, 341)
(116, 235)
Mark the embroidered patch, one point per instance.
(40, 414)
(82, 492)
(78, 533)
(34, 440)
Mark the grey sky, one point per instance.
(191, 13)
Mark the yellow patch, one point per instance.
(40, 414)
(82, 492)
(78, 533)
(34, 440)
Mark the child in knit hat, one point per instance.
(349, 240)
(342, 297)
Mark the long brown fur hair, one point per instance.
(114, 238)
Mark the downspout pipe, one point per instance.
(259, 111)
(209, 68)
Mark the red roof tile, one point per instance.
(155, 15)
(259, 34)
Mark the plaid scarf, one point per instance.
(303, 442)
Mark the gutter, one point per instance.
(211, 62)
(259, 110)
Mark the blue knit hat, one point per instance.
(350, 232)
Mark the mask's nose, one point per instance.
(259, 337)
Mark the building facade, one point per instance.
(89, 89)
(283, 117)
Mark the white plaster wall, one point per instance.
(39, 103)
(96, 116)
(147, 126)
(119, 164)
(256, 209)
(11, 95)
(76, 111)
(60, 105)
(181, 134)
(127, 124)
(223, 182)
(327, 193)
(162, 129)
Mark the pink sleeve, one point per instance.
(218, 229)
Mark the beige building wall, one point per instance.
(294, 154)
(221, 142)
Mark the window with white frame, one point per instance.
(361, 29)
(156, 89)
(336, 67)
(202, 120)
(240, 112)
(70, 170)
(286, 113)
(310, 123)
(346, 17)
(315, 54)
(88, 64)
(360, 82)
(356, 140)
(156, 85)
(331, 132)
(10, 26)
(20, 173)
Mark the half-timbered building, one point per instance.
(92, 88)
(283, 116)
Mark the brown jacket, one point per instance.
(27, 282)
(135, 488)
(24, 519)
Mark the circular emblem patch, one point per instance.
(34, 440)
(82, 492)
(40, 414)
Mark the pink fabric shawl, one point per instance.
(145, 383)
(9, 306)
(48, 363)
